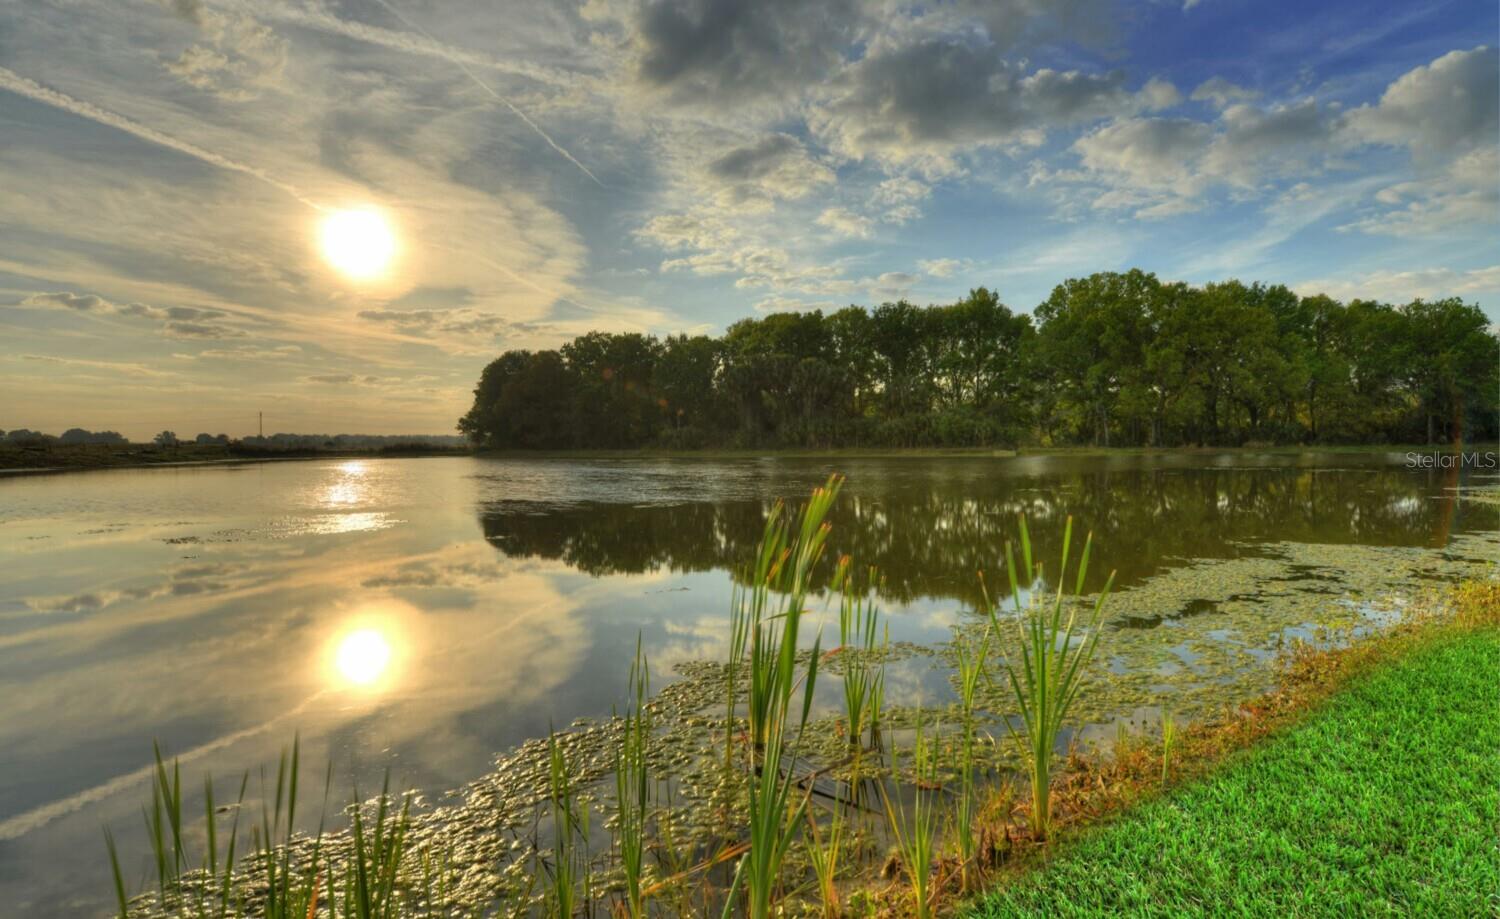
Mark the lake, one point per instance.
(425, 615)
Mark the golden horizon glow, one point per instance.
(358, 242)
(363, 656)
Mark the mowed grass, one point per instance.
(1383, 803)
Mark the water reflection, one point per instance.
(424, 614)
(928, 531)
(362, 656)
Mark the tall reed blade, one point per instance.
(782, 575)
(633, 785)
(1046, 679)
(915, 830)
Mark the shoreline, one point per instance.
(979, 452)
(101, 460)
(1260, 751)
(89, 460)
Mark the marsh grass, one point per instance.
(371, 874)
(825, 854)
(570, 864)
(633, 785)
(863, 674)
(1168, 742)
(915, 829)
(1045, 682)
(766, 622)
(971, 658)
(285, 877)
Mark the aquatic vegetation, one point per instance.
(709, 783)
(783, 571)
(633, 785)
(1168, 742)
(971, 661)
(569, 867)
(825, 857)
(863, 675)
(1046, 680)
(915, 830)
(371, 871)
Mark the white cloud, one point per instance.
(845, 222)
(944, 267)
(1444, 107)
(1404, 286)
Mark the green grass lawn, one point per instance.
(1382, 803)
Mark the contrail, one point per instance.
(489, 89)
(24, 86)
(318, 19)
(35, 819)
(527, 282)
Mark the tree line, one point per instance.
(1113, 359)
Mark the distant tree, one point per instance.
(27, 437)
(165, 439)
(1113, 358)
(1450, 362)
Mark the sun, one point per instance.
(358, 242)
(362, 656)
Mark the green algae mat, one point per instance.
(1383, 803)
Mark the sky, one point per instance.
(191, 190)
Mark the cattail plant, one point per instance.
(767, 619)
(915, 830)
(1046, 679)
(633, 785)
(863, 676)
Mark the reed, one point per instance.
(372, 872)
(767, 618)
(915, 830)
(292, 878)
(633, 785)
(570, 826)
(970, 659)
(863, 678)
(1168, 742)
(291, 888)
(825, 857)
(1046, 680)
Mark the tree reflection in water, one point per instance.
(930, 524)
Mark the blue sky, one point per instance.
(544, 169)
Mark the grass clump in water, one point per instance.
(766, 623)
(1046, 681)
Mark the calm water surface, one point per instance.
(423, 614)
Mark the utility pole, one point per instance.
(260, 423)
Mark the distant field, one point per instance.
(103, 456)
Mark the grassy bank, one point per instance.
(1382, 802)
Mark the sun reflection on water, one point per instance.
(363, 656)
(369, 651)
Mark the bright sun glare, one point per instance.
(362, 656)
(358, 243)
